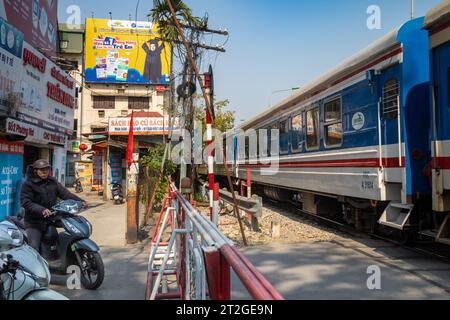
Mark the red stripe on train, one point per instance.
(441, 163)
(350, 163)
(440, 28)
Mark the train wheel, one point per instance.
(405, 237)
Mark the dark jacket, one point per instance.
(37, 195)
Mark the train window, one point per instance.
(391, 94)
(284, 136)
(312, 129)
(297, 132)
(274, 126)
(333, 123)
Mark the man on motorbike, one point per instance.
(38, 195)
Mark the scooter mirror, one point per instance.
(5, 239)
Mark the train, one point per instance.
(367, 143)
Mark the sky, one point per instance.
(273, 45)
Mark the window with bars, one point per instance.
(333, 123)
(391, 94)
(104, 102)
(141, 103)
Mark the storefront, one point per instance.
(37, 101)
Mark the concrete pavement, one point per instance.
(125, 265)
(326, 270)
(338, 270)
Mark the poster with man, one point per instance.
(153, 65)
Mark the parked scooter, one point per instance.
(72, 246)
(117, 193)
(24, 274)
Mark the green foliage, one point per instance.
(152, 163)
(161, 14)
(223, 121)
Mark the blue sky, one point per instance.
(273, 45)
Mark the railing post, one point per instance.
(215, 216)
(218, 274)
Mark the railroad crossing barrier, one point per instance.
(199, 257)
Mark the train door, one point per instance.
(441, 75)
(391, 120)
(441, 117)
(397, 212)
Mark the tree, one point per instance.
(157, 180)
(161, 14)
(223, 121)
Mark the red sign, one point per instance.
(62, 78)
(55, 93)
(83, 147)
(11, 147)
(160, 88)
(36, 19)
(32, 59)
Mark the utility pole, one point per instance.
(412, 9)
(132, 196)
(209, 107)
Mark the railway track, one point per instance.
(427, 248)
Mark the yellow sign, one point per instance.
(84, 171)
(119, 51)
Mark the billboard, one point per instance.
(119, 51)
(34, 90)
(143, 126)
(36, 20)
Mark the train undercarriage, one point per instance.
(419, 222)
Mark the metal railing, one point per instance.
(199, 256)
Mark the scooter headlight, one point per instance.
(17, 237)
(116, 197)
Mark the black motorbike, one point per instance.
(117, 193)
(71, 246)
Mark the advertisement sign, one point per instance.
(11, 168)
(33, 89)
(98, 172)
(35, 19)
(59, 164)
(120, 51)
(11, 39)
(84, 170)
(115, 165)
(75, 146)
(34, 134)
(143, 126)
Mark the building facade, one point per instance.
(103, 160)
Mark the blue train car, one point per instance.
(437, 22)
(358, 136)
